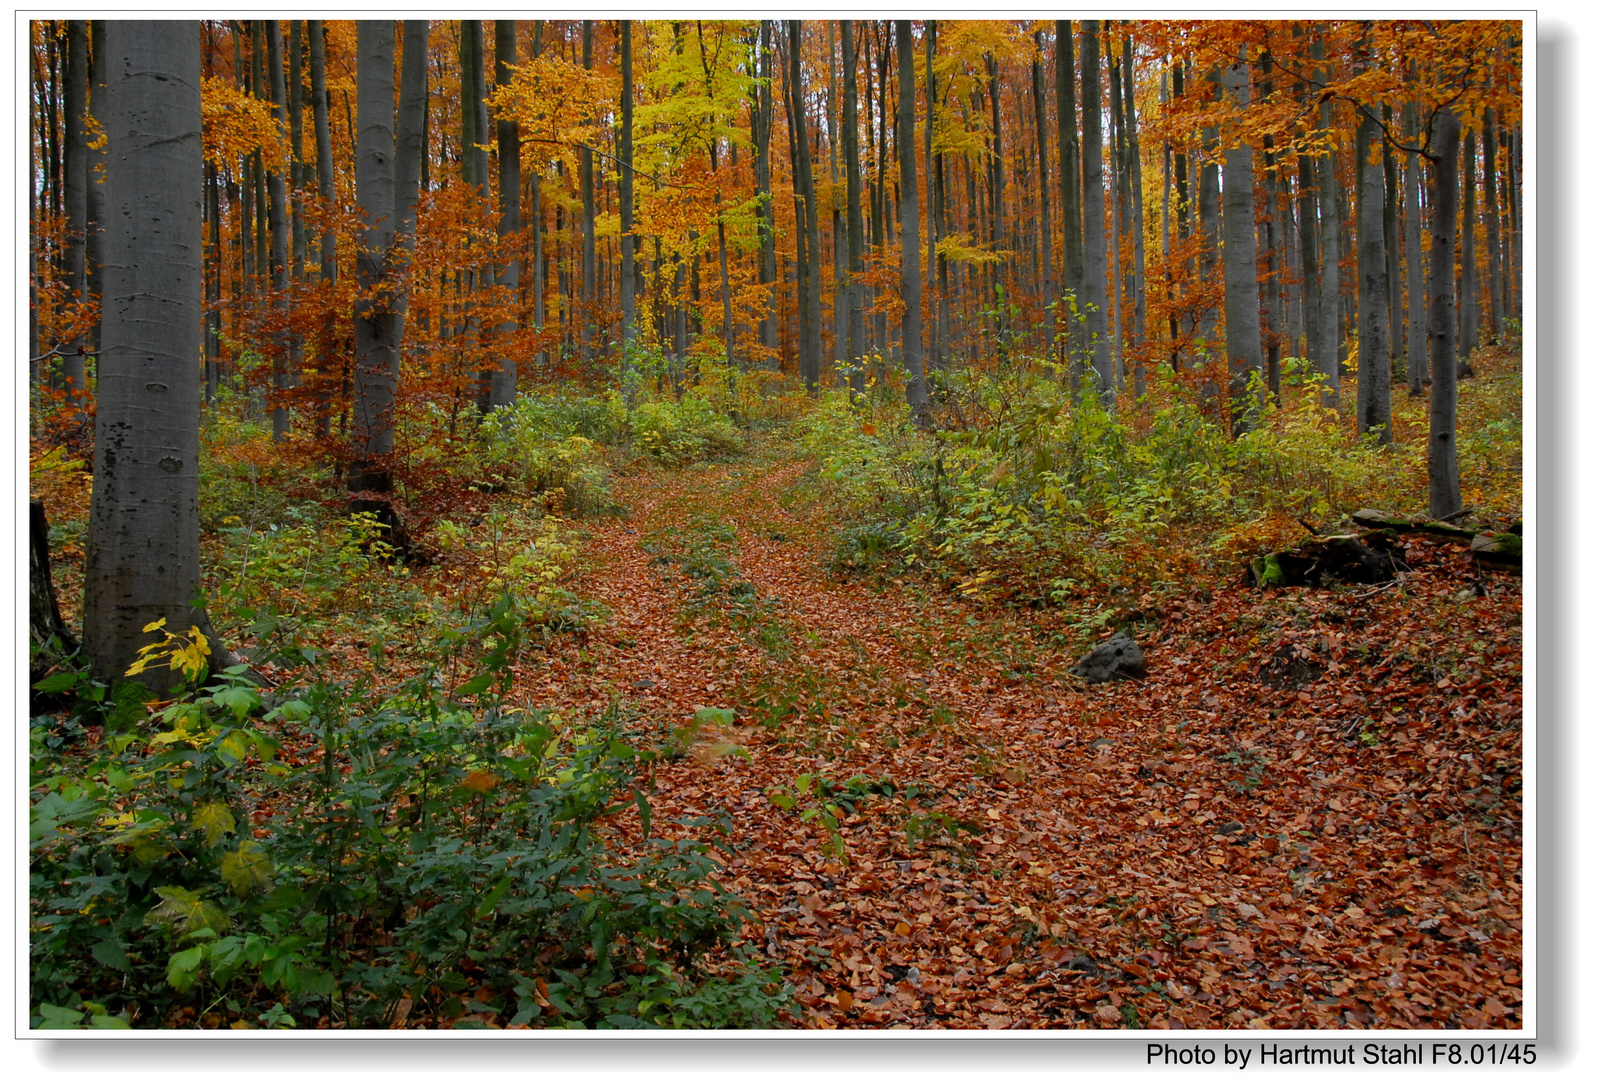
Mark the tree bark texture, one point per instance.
(1443, 457)
(143, 557)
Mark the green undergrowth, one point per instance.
(1028, 492)
(340, 855)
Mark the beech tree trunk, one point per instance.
(376, 345)
(1443, 458)
(277, 224)
(857, 346)
(330, 358)
(1375, 362)
(909, 222)
(502, 381)
(75, 166)
(1418, 368)
(1244, 350)
(629, 310)
(143, 552)
(1096, 268)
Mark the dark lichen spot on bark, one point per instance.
(158, 387)
(171, 465)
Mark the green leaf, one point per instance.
(239, 700)
(491, 901)
(54, 1016)
(112, 955)
(645, 812)
(61, 680)
(232, 747)
(715, 716)
(214, 819)
(475, 685)
(183, 911)
(247, 870)
(182, 968)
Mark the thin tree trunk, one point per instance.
(590, 282)
(857, 346)
(1096, 268)
(1244, 351)
(1469, 292)
(1418, 368)
(1445, 499)
(1139, 254)
(1328, 362)
(327, 247)
(1375, 363)
(909, 221)
(75, 166)
(1494, 263)
(629, 309)
(502, 383)
(277, 219)
(1047, 227)
(1071, 253)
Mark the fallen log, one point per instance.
(1380, 519)
(1365, 560)
(1498, 551)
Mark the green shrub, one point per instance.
(414, 848)
(680, 432)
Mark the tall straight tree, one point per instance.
(376, 345)
(1418, 369)
(764, 115)
(1096, 261)
(410, 150)
(1494, 266)
(1046, 233)
(1375, 363)
(1328, 361)
(75, 165)
(502, 382)
(1469, 319)
(856, 220)
(629, 309)
(143, 552)
(590, 264)
(1139, 254)
(327, 246)
(909, 221)
(1244, 351)
(809, 336)
(1071, 257)
(277, 222)
(1442, 461)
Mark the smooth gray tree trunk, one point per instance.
(1244, 350)
(143, 557)
(1442, 464)
(909, 222)
(857, 347)
(1469, 291)
(277, 224)
(1375, 362)
(1096, 268)
(502, 380)
(75, 166)
(327, 247)
(1418, 369)
(376, 347)
(1327, 360)
(629, 308)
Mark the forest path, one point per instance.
(1013, 850)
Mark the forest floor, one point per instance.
(1307, 816)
